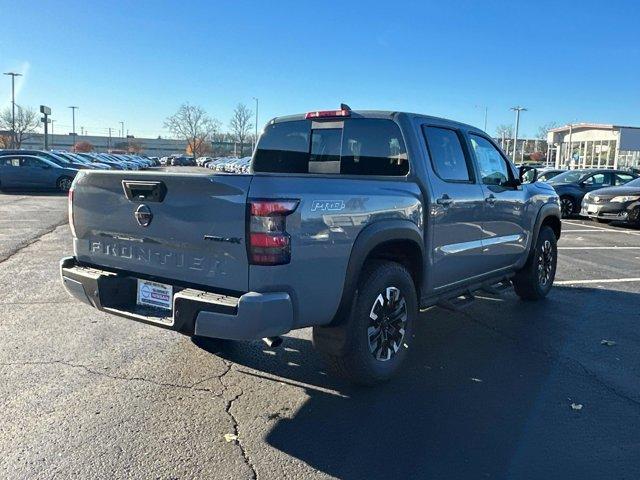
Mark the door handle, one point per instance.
(491, 199)
(445, 200)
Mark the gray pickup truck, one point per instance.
(350, 222)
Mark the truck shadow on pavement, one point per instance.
(485, 393)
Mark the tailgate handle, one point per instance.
(144, 191)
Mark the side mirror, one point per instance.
(531, 177)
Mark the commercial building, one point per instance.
(152, 147)
(592, 145)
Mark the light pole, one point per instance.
(486, 111)
(13, 105)
(255, 140)
(122, 129)
(73, 123)
(517, 109)
(52, 122)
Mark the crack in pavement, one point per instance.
(193, 387)
(90, 370)
(30, 241)
(555, 356)
(236, 423)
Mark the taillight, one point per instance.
(269, 243)
(71, 225)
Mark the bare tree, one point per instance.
(26, 124)
(241, 125)
(192, 124)
(543, 130)
(504, 130)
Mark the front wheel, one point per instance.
(64, 184)
(535, 279)
(375, 337)
(567, 207)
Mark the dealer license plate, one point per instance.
(592, 209)
(153, 294)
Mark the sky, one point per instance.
(138, 61)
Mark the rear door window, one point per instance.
(350, 147)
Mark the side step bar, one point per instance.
(463, 299)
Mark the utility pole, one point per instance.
(73, 119)
(109, 142)
(121, 129)
(486, 113)
(255, 140)
(13, 75)
(517, 109)
(52, 144)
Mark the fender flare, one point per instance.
(370, 237)
(546, 211)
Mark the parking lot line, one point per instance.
(599, 248)
(627, 232)
(604, 280)
(579, 230)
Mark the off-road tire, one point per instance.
(528, 282)
(355, 361)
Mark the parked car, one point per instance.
(201, 161)
(620, 203)
(33, 172)
(96, 158)
(349, 229)
(78, 160)
(183, 160)
(52, 157)
(573, 185)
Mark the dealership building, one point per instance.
(592, 145)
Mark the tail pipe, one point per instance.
(272, 342)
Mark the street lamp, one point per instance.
(256, 137)
(73, 119)
(13, 105)
(486, 111)
(517, 109)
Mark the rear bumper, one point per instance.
(195, 312)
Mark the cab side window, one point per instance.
(447, 156)
(492, 165)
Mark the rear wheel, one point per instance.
(64, 184)
(375, 337)
(567, 206)
(535, 279)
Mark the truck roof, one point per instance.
(386, 114)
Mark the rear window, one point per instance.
(351, 147)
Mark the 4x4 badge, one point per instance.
(143, 215)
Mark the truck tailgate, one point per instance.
(188, 227)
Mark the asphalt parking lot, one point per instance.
(488, 392)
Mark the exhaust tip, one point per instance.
(272, 342)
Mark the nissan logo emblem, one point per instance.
(143, 215)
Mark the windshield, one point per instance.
(633, 183)
(572, 176)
